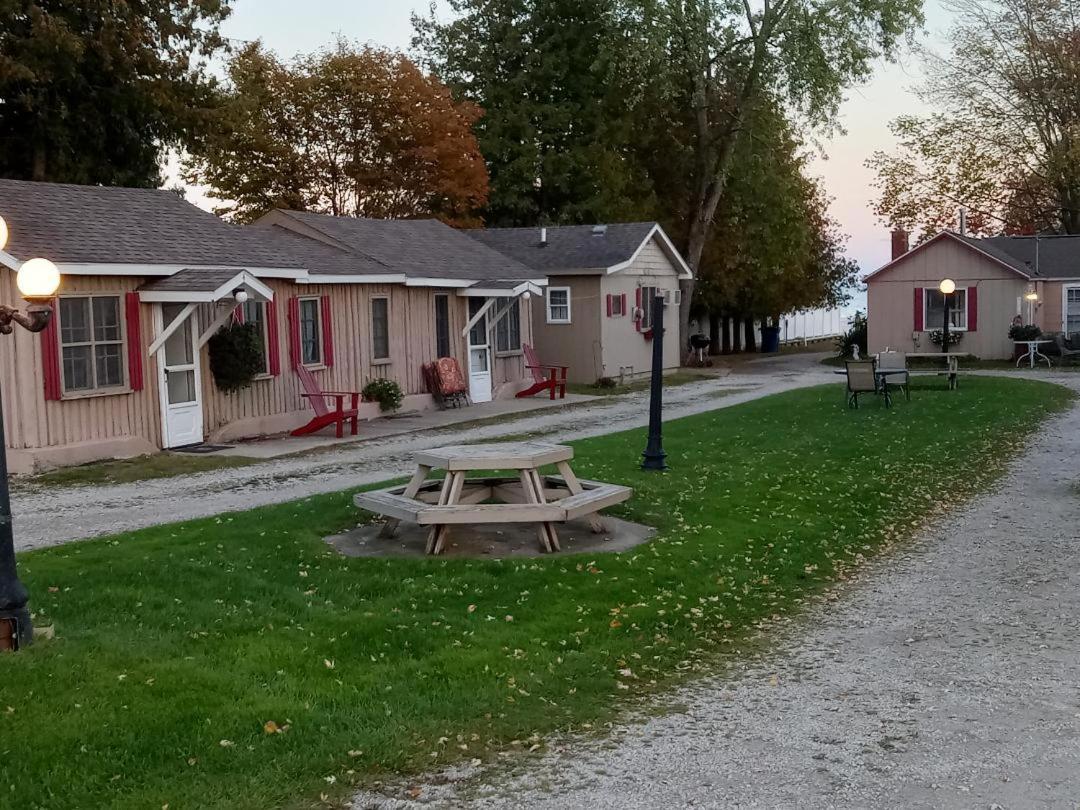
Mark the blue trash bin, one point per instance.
(770, 339)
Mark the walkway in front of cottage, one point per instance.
(944, 676)
(53, 516)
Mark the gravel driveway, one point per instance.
(948, 675)
(53, 515)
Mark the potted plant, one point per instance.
(386, 392)
(937, 336)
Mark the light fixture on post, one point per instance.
(947, 287)
(38, 280)
(1032, 298)
(241, 296)
(654, 450)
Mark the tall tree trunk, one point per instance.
(748, 325)
(714, 334)
(736, 335)
(725, 334)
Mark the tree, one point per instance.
(92, 91)
(350, 132)
(554, 79)
(731, 56)
(1004, 139)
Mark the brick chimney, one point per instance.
(900, 243)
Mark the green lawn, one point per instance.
(176, 645)
(128, 470)
(675, 378)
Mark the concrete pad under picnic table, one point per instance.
(494, 541)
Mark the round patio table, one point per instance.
(1032, 352)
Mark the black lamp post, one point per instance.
(654, 450)
(38, 280)
(947, 288)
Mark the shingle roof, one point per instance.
(72, 224)
(569, 247)
(419, 248)
(191, 280)
(1058, 256)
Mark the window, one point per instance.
(934, 302)
(91, 343)
(311, 353)
(508, 328)
(558, 305)
(442, 325)
(647, 296)
(1071, 311)
(254, 312)
(618, 305)
(380, 328)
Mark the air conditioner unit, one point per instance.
(672, 298)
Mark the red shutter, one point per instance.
(50, 355)
(294, 332)
(637, 305)
(238, 314)
(134, 341)
(327, 333)
(273, 348)
(623, 296)
(609, 305)
(973, 309)
(918, 309)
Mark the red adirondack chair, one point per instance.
(324, 414)
(545, 377)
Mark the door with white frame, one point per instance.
(178, 380)
(1070, 310)
(479, 354)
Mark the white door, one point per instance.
(479, 355)
(179, 384)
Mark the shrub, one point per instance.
(1025, 332)
(236, 356)
(855, 336)
(386, 392)
(606, 382)
(938, 335)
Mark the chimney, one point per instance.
(900, 244)
(543, 237)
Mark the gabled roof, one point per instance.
(71, 224)
(420, 249)
(580, 248)
(991, 253)
(204, 285)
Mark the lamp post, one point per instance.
(947, 288)
(38, 280)
(654, 450)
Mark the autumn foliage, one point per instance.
(348, 131)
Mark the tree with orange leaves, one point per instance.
(347, 131)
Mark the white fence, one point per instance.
(813, 324)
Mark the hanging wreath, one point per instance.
(236, 356)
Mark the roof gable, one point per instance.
(976, 245)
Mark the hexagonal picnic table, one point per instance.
(527, 497)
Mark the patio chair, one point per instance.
(324, 414)
(545, 377)
(891, 361)
(860, 380)
(1069, 349)
(446, 383)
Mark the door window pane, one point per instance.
(380, 328)
(478, 363)
(181, 386)
(178, 350)
(310, 332)
(478, 333)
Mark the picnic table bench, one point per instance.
(527, 497)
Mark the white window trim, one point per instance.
(569, 310)
(321, 362)
(1065, 306)
(382, 361)
(926, 309)
(98, 391)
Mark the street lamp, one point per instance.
(38, 280)
(947, 288)
(654, 450)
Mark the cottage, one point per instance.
(1035, 278)
(147, 279)
(594, 316)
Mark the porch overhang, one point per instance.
(201, 286)
(504, 288)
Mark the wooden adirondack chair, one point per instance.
(324, 414)
(545, 377)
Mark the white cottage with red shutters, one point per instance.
(998, 280)
(148, 279)
(593, 316)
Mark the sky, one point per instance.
(289, 27)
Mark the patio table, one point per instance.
(952, 364)
(1032, 352)
(528, 497)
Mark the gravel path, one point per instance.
(947, 676)
(52, 516)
